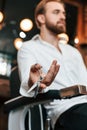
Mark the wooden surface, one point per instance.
(4, 88)
(4, 95)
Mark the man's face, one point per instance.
(55, 17)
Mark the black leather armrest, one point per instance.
(21, 100)
(68, 92)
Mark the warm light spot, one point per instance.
(1, 16)
(63, 38)
(76, 40)
(18, 43)
(26, 25)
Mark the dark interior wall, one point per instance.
(71, 21)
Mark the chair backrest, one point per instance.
(14, 82)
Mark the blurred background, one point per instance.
(14, 31)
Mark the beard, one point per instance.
(57, 29)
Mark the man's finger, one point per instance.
(35, 67)
(56, 69)
(51, 74)
(53, 69)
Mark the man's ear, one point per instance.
(41, 18)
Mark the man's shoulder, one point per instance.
(71, 48)
(30, 43)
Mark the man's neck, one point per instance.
(50, 38)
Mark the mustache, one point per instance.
(62, 22)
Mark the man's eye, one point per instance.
(56, 12)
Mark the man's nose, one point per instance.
(62, 15)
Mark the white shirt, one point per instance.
(72, 71)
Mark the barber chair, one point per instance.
(28, 113)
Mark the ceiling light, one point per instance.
(1, 17)
(63, 37)
(76, 40)
(18, 43)
(26, 25)
(22, 34)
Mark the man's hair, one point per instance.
(40, 9)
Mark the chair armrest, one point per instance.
(68, 92)
(39, 99)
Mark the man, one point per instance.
(56, 65)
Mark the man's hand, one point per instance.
(36, 73)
